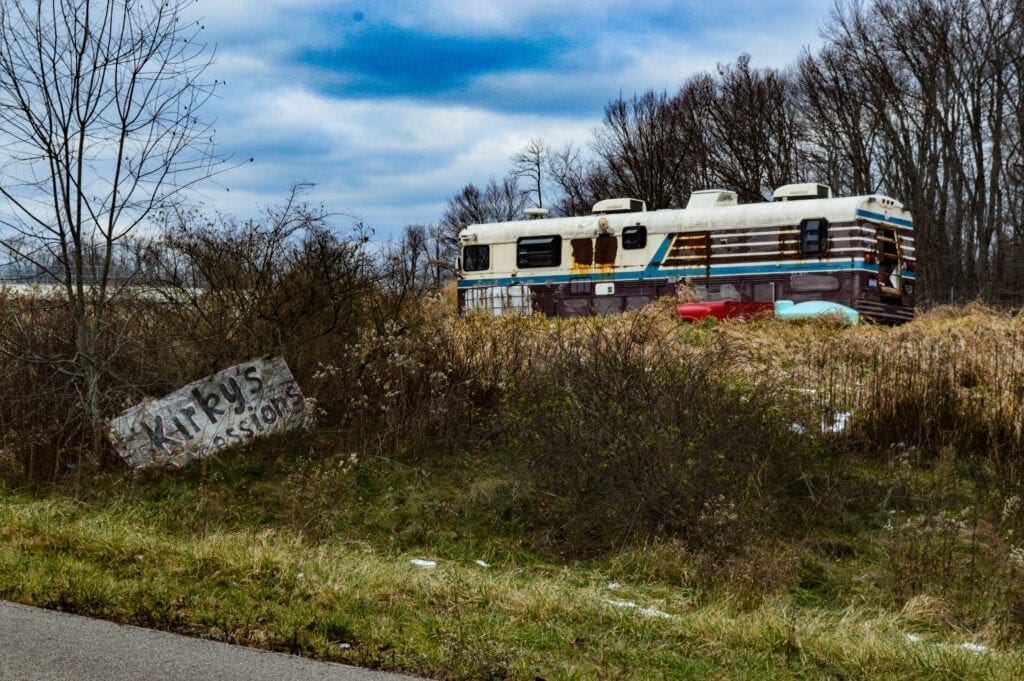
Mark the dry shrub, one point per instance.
(928, 611)
(44, 423)
(629, 431)
(210, 295)
(935, 552)
(38, 421)
(287, 283)
(944, 380)
(421, 381)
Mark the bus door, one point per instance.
(890, 263)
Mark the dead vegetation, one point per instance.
(677, 451)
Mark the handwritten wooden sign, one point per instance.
(227, 408)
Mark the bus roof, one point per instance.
(846, 209)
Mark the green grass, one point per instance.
(312, 556)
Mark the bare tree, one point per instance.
(498, 202)
(465, 208)
(580, 182)
(841, 148)
(405, 262)
(753, 129)
(442, 250)
(940, 84)
(637, 147)
(99, 104)
(693, 137)
(529, 163)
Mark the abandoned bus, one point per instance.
(803, 245)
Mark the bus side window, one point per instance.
(813, 236)
(607, 247)
(634, 237)
(582, 252)
(476, 258)
(539, 251)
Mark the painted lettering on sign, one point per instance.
(234, 405)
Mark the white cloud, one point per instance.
(396, 160)
(392, 162)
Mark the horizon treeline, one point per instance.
(921, 100)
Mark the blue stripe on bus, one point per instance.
(654, 272)
(878, 217)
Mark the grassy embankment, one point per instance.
(692, 471)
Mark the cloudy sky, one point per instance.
(390, 107)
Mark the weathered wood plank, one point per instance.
(205, 416)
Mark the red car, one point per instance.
(720, 309)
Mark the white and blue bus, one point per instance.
(803, 245)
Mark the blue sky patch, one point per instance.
(387, 61)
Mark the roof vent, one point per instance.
(534, 213)
(802, 192)
(619, 206)
(711, 198)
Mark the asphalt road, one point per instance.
(43, 645)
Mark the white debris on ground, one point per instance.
(482, 563)
(646, 612)
(973, 647)
(426, 564)
(838, 424)
(613, 585)
(831, 422)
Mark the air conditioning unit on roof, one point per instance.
(711, 198)
(802, 192)
(619, 206)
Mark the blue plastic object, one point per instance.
(787, 309)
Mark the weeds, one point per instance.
(777, 472)
(624, 436)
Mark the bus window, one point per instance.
(539, 251)
(634, 237)
(607, 247)
(813, 236)
(476, 258)
(582, 252)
